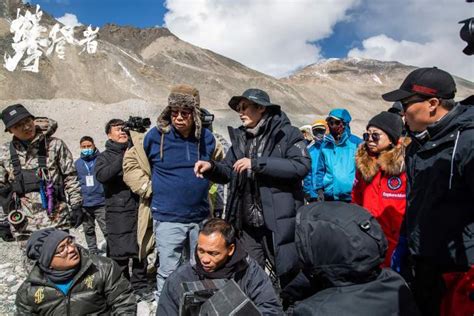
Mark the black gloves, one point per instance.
(76, 216)
(5, 231)
(320, 195)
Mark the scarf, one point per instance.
(61, 277)
(236, 263)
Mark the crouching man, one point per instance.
(67, 280)
(219, 256)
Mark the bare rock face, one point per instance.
(133, 70)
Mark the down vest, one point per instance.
(279, 172)
(98, 288)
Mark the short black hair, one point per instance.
(86, 139)
(111, 123)
(447, 104)
(214, 225)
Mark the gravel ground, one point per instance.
(12, 274)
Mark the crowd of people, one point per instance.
(283, 220)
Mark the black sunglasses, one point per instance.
(406, 103)
(334, 122)
(367, 136)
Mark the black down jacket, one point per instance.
(121, 204)
(279, 172)
(98, 288)
(342, 246)
(439, 218)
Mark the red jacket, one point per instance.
(380, 187)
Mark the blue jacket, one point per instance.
(178, 195)
(336, 166)
(92, 195)
(309, 182)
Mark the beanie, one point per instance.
(42, 244)
(390, 123)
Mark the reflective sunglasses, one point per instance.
(61, 251)
(334, 122)
(184, 113)
(375, 136)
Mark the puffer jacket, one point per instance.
(279, 171)
(309, 181)
(98, 288)
(336, 166)
(121, 204)
(380, 187)
(137, 175)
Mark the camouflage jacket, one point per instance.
(60, 166)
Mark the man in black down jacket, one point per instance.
(121, 207)
(67, 280)
(265, 167)
(219, 256)
(342, 247)
(438, 227)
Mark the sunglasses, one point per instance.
(184, 114)
(375, 136)
(334, 122)
(408, 102)
(62, 249)
(318, 131)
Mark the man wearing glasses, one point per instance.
(336, 166)
(67, 280)
(437, 232)
(179, 200)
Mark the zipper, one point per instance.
(68, 304)
(187, 151)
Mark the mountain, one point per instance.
(133, 69)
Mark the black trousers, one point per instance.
(428, 288)
(138, 278)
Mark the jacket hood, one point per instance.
(184, 100)
(341, 114)
(391, 162)
(339, 243)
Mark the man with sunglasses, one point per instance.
(437, 230)
(37, 176)
(68, 280)
(336, 166)
(179, 200)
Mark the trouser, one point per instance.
(92, 214)
(175, 243)
(428, 288)
(139, 268)
(258, 242)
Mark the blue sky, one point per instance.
(279, 36)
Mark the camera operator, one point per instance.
(121, 208)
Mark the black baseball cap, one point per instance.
(12, 114)
(429, 82)
(255, 95)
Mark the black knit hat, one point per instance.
(42, 245)
(390, 123)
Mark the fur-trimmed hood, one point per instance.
(391, 162)
(186, 97)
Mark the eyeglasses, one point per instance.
(334, 122)
(61, 251)
(407, 102)
(375, 136)
(184, 114)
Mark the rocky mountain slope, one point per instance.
(133, 69)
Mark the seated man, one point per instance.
(219, 256)
(342, 247)
(67, 280)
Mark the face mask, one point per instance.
(87, 152)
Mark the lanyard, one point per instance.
(89, 168)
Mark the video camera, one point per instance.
(467, 34)
(207, 118)
(137, 124)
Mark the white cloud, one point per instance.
(272, 36)
(421, 33)
(69, 19)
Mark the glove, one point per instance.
(76, 216)
(400, 255)
(320, 195)
(5, 231)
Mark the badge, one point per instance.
(89, 181)
(394, 183)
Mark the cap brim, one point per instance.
(17, 119)
(397, 95)
(234, 101)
